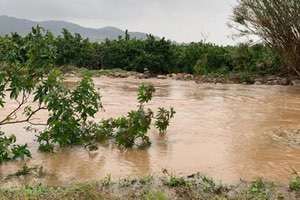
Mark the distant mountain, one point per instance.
(23, 27)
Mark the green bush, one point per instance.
(126, 130)
(295, 182)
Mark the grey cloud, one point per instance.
(181, 20)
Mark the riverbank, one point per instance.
(233, 78)
(196, 186)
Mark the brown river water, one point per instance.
(225, 131)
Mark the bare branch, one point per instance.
(7, 120)
(13, 112)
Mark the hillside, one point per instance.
(23, 26)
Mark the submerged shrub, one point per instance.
(136, 124)
(69, 110)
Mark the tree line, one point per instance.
(159, 56)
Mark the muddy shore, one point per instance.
(245, 79)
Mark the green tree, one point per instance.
(24, 63)
(214, 59)
(74, 50)
(27, 70)
(187, 56)
(132, 54)
(160, 55)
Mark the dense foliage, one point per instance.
(135, 55)
(256, 59)
(159, 56)
(25, 63)
(276, 23)
(28, 77)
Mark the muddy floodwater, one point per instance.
(225, 131)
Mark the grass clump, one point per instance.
(295, 182)
(155, 195)
(259, 189)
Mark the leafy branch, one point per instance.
(27, 71)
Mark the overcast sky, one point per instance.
(180, 20)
